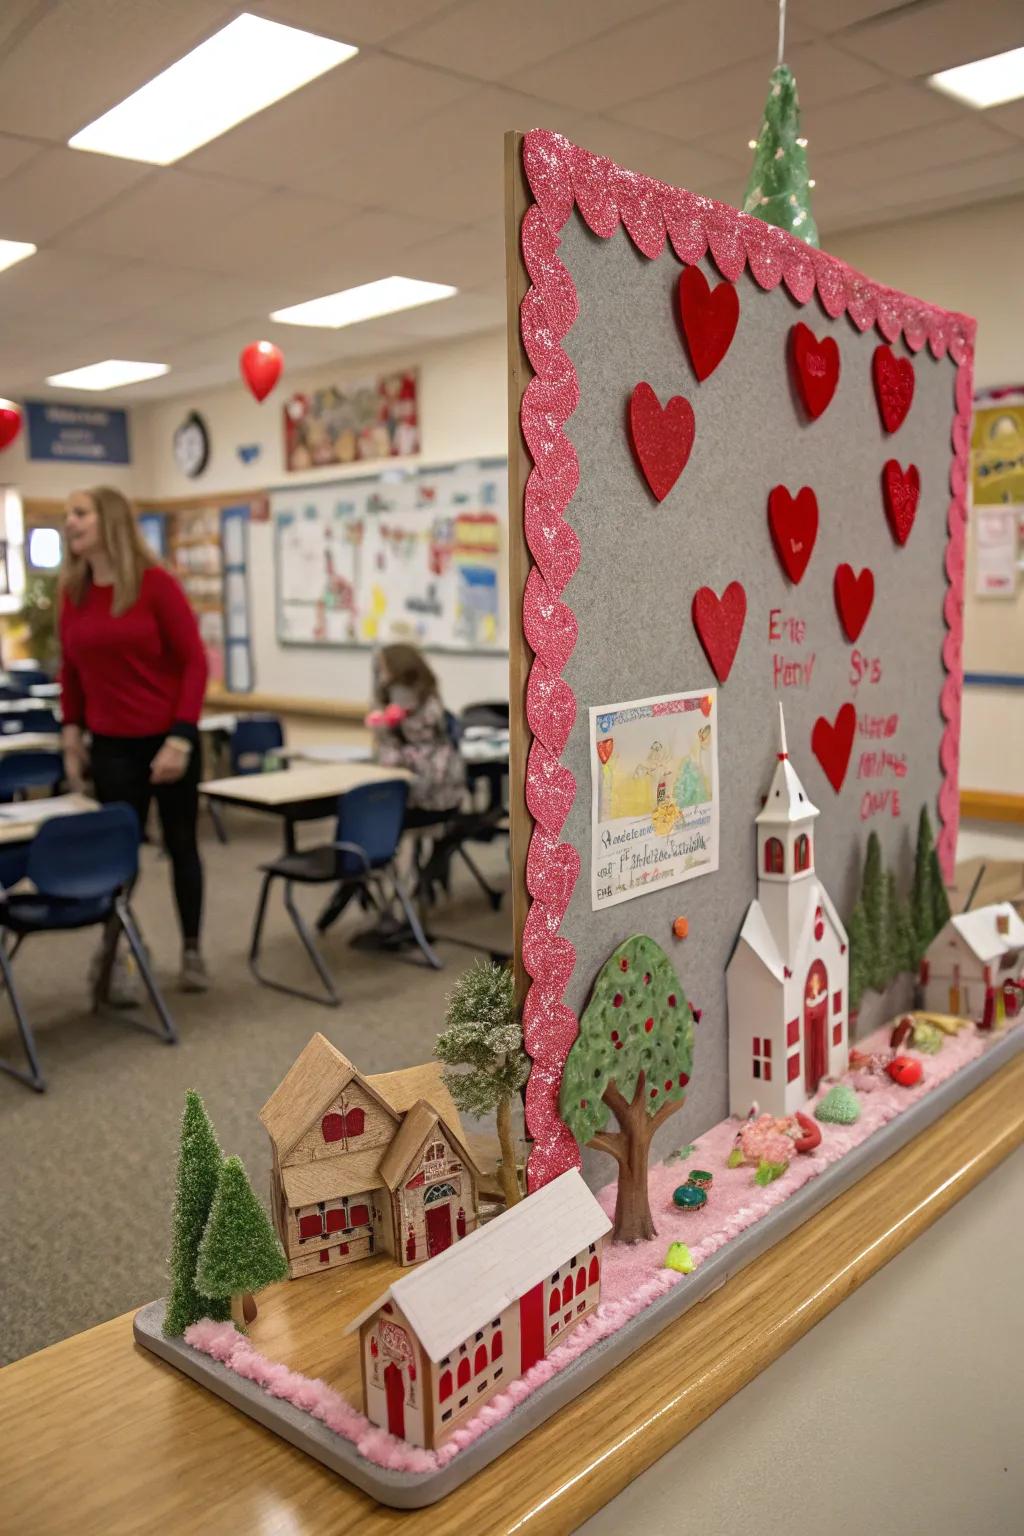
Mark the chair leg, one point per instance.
(218, 821)
(343, 894)
(138, 949)
(492, 893)
(412, 918)
(299, 923)
(332, 1000)
(102, 984)
(33, 1078)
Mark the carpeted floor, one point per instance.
(87, 1169)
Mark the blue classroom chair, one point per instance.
(359, 862)
(252, 740)
(21, 679)
(82, 868)
(29, 770)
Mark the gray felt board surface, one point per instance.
(642, 562)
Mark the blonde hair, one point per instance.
(129, 553)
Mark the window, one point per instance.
(335, 1127)
(498, 1372)
(774, 857)
(793, 1032)
(819, 924)
(342, 1250)
(595, 1271)
(762, 1067)
(480, 1361)
(793, 1067)
(463, 1401)
(336, 1219)
(581, 1307)
(837, 1033)
(924, 972)
(581, 1281)
(446, 1415)
(554, 1301)
(496, 1346)
(567, 1289)
(310, 1226)
(837, 1002)
(464, 1371)
(803, 852)
(325, 1256)
(359, 1215)
(44, 548)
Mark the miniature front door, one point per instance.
(439, 1228)
(394, 1388)
(531, 1327)
(815, 1026)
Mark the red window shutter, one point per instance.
(554, 1301)
(793, 1032)
(325, 1257)
(464, 1371)
(355, 1122)
(496, 1346)
(595, 1271)
(581, 1280)
(757, 1045)
(767, 1071)
(924, 972)
(336, 1220)
(358, 1215)
(342, 1250)
(757, 1067)
(480, 1360)
(767, 1046)
(837, 1002)
(567, 1291)
(444, 1386)
(793, 1067)
(837, 1034)
(332, 1127)
(311, 1226)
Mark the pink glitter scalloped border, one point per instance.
(561, 175)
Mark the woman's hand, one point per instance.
(76, 758)
(170, 762)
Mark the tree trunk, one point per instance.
(633, 1222)
(243, 1309)
(508, 1172)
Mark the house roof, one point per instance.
(787, 801)
(402, 1089)
(454, 1294)
(979, 932)
(329, 1178)
(758, 935)
(417, 1124)
(313, 1081)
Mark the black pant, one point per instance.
(120, 772)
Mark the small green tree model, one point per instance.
(860, 956)
(483, 1033)
(874, 896)
(778, 190)
(922, 898)
(632, 1058)
(902, 943)
(199, 1163)
(940, 897)
(239, 1252)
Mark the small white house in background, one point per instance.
(787, 981)
(970, 967)
(445, 1337)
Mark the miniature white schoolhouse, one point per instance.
(445, 1337)
(787, 979)
(974, 967)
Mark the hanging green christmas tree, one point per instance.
(199, 1164)
(778, 190)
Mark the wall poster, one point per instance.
(342, 424)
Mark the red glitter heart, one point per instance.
(719, 624)
(662, 437)
(816, 365)
(833, 743)
(900, 491)
(894, 386)
(709, 317)
(794, 524)
(854, 596)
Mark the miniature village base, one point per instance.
(640, 1297)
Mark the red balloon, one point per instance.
(261, 363)
(10, 423)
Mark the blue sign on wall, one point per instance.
(77, 434)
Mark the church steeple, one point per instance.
(785, 844)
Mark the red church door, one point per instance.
(531, 1327)
(439, 1228)
(394, 1387)
(815, 1026)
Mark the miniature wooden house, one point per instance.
(974, 967)
(366, 1164)
(787, 979)
(440, 1341)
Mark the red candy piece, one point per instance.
(854, 596)
(816, 366)
(709, 317)
(811, 1137)
(901, 489)
(894, 386)
(906, 1071)
(794, 524)
(719, 624)
(832, 744)
(662, 437)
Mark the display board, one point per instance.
(395, 557)
(737, 477)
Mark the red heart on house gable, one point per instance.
(833, 743)
(709, 317)
(854, 596)
(794, 524)
(894, 386)
(901, 489)
(662, 437)
(816, 365)
(719, 624)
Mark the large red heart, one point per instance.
(662, 437)
(816, 364)
(709, 316)
(854, 596)
(894, 386)
(719, 624)
(794, 524)
(900, 491)
(833, 743)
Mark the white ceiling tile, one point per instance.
(15, 153)
(919, 40)
(170, 216)
(916, 152)
(869, 116)
(351, 21)
(60, 187)
(470, 257)
(989, 177)
(1009, 118)
(833, 15)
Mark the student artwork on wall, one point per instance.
(743, 478)
(393, 557)
(377, 419)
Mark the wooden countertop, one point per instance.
(293, 786)
(103, 1438)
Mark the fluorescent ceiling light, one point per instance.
(12, 251)
(384, 297)
(111, 374)
(986, 82)
(246, 66)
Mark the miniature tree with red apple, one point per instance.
(632, 1059)
(199, 1165)
(239, 1253)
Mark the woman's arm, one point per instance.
(180, 632)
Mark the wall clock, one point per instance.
(192, 445)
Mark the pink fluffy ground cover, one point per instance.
(633, 1277)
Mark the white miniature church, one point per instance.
(787, 981)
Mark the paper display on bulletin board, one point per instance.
(997, 453)
(390, 558)
(995, 551)
(376, 419)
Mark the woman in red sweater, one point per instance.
(134, 675)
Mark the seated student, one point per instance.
(410, 732)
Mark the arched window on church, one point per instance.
(803, 852)
(774, 857)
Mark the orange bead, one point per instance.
(681, 927)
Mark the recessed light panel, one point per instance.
(113, 373)
(367, 302)
(986, 82)
(12, 251)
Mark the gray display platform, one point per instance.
(406, 1490)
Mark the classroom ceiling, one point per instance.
(393, 162)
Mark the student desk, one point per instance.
(20, 822)
(102, 1438)
(297, 794)
(29, 741)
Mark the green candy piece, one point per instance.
(689, 1198)
(768, 1172)
(928, 1038)
(680, 1258)
(735, 1158)
(840, 1106)
(701, 1178)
